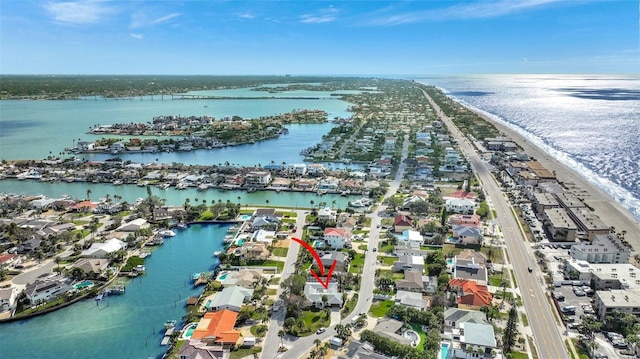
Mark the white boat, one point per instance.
(217, 253)
(140, 268)
(143, 183)
(117, 182)
(170, 323)
(167, 233)
(181, 185)
(203, 187)
(165, 185)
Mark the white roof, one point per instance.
(112, 245)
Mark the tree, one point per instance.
(511, 330)
(443, 217)
(281, 335)
(88, 194)
(325, 300)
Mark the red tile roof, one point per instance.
(402, 220)
(472, 292)
(335, 232)
(218, 326)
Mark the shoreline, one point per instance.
(604, 205)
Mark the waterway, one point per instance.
(172, 196)
(126, 326)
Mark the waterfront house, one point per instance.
(314, 292)
(254, 251)
(45, 290)
(117, 147)
(411, 299)
(216, 328)
(409, 262)
(8, 298)
(231, 298)
(402, 222)
(305, 184)
(134, 225)
(326, 215)
(470, 294)
(337, 238)
(194, 349)
(315, 169)
(257, 179)
(296, 169)
(245, 278)
(92, 267)
(265, 218)
(102, 250)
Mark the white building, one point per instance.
(135, 225)
(621, 300)
(456, 205)
(299, 169)
(337, 238)
(260, 178)
(101, 250)
(603, 249)
(8, 298)
(315, 291)
(411, 237)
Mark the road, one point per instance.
(547, 335)
(299, 346)
(269, 347)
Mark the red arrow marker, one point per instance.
(319, 261)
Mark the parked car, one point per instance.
(321, 330)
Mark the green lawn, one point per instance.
(423, 336)
(582, 353)
(495, 279)
(380, 309)
(269, 263)
(290, 214)
(496, 254)
(357, 263)
(313, 320)
(519, 355)
(362, 247)
(385, 247)
(387, 261)
(274, 280)
(280, 252)
(241, 353)
(386, 273)
(525, 320)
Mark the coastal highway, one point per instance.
(299, 346)
(547, 337)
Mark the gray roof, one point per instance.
(411, 299)
(479, 334)
(231, 296)
(464, 316)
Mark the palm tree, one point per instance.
(281, 335)
(267, 202)
(89, 194)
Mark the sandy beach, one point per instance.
(610, 211)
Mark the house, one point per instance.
(469, 269)
(93, 267)
(262, 235)
(9, 260)
(44, 290)
(401, 223)
(472, 220)
(341, 259)
(409, 262)
(414, 281)
(297, 169)
(337, 238)
(326, 215)
(412, 237)
(411, 299)
(453, 317)
(471, 295)
(391, 329)
(193, 349)
(134, 225)
(8, 298)
(467, 235)
(265, 218)
(231, 298)
(242, 278)
(474, 340)
(161, 214)
(29, 245)
(216, 328)
(314, 292)
(471, 255)
(254, 251)
(358, 350)
(258, 179)
(457, 205)
(102, 250)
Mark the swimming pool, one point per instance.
(83, 285)
(444, 350)
(222, 276)
(318, 244)
(246, 217)
(240, 242)
(189, 331)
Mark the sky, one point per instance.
(307, 37)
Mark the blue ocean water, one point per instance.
(126, 326)
(589, 122)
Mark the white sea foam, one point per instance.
(595, 136)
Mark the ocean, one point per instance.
(589, 122)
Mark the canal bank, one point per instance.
(125, 326)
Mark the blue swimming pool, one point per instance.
(318, 244)
(246, 217)
(223, 276)
(444, 350)
(82, 285)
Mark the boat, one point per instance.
(217, 253)
(203, 187)
(167, 233)
(345, 193)
(117, 183)
(181, 226)
(140, 268)
(155, 241)
(143, 183)
(181, 185)
(170, 323)
(164, 185)
(362, 202)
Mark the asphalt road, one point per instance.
(299, 346)
(547, 336)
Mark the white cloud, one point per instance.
(137, 36)
(142, 19)
(78, 12)
(246, 16)
(475, 10)
(323, 16)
